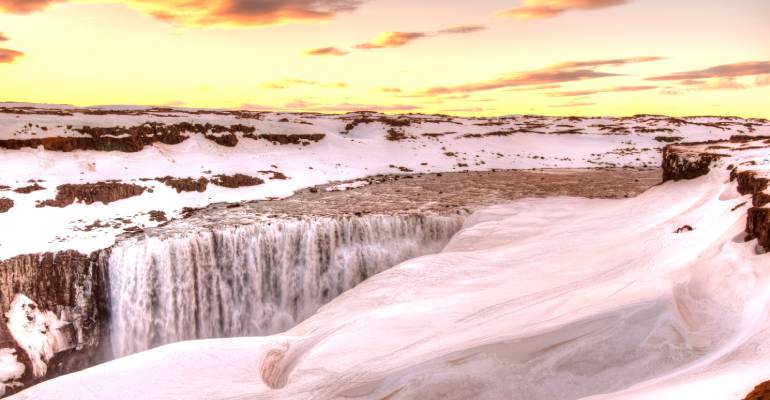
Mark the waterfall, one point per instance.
(255, 279)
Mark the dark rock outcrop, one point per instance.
(186, 184)
(303, 139)
(236, 181)
(681, 162)
(131, 139)
(5, 204)
(89, 193)
(29, 189)
(760, 392)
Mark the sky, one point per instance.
(471, 57)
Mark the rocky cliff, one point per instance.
(73, 288)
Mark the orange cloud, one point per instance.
(616, 89)
(199, 13)
(243, 12)
(326, 51)
(9, 56)
(3, 38)
(533, 88)
(24, 6)
(462, 29)
(391, 39)
(552, 8)
(541, 77)
(721, 71)
(601, 63)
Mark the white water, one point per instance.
(257, 279)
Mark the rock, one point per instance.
(5, 204)
(288, 139)
(158, 216)
(236, 181)
(89, 193)
(760, 392)
(70, 296)
(186, 184)
(29, 189)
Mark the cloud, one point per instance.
(728, 83)
(540, 77)
(533, 88)
(617, 89)
(721, 71)
(462, 29)
(3, 38)
(201, 13)
(326, 51)
(390, 90)
(9, 56)
(552, 8)
(574, 104)
(763, 80)
(287, 83)
(24, 6)
(294, 82)
(303, 105)
(602, 63)
(391, 39)
(670, 91)
(464, 110)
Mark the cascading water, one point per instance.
(255, 279)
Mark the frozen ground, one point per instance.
(351, 147)
(561, 297)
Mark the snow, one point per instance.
(362, 152)
(541, 298)
(10, 370)
(39, 333)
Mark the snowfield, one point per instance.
(353, 146)
(659, 296)
(542, 298)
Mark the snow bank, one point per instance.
(541, 298)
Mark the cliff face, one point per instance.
(72, 287)
(747, 159)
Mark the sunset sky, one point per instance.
(482, 57)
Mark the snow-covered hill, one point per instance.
(75, 178)
(660, 296)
